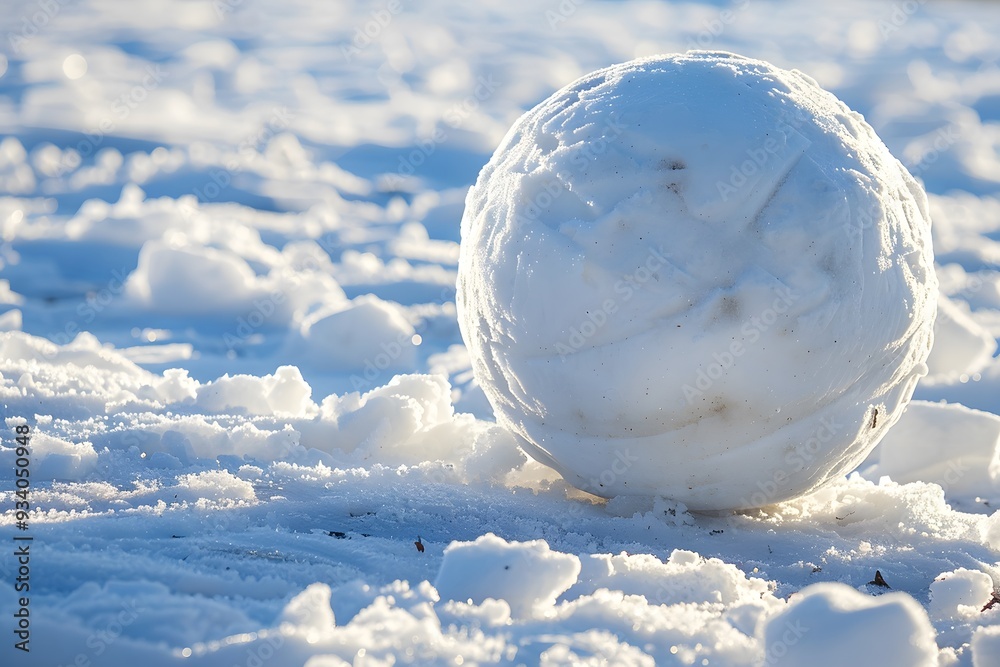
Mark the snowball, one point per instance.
(948, 444)
(696, 276)
(961, 593)
(831, 624)
(528, 575)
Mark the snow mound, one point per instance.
(174, 279)
(59, 459)
(528, 576)
(832, 625)
(986, 646)
(368, 335)
(309, 615)
(685, 578)
(639, 260)
(961, 346)
(218, 487)
(961, 594)
(285, 392)
(911, 451)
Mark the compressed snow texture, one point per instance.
(696, 276)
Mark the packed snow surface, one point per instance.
(229, 245)
(686, 274)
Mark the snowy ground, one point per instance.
(228, 245)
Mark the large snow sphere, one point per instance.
(697, 276)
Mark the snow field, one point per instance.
(228, 256)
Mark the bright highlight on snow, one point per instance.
(697, 276)
(228, 261)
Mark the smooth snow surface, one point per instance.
(228, 256)
(682, 275)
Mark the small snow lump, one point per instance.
(696, 276)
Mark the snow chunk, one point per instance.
(175, 386)
(369, 335)
(174, 280)
(217, 486)
(7, 295)
(412, 421)
(80, 375)
(970, 440)
(56, 458)
(685, 577)
(528, 575)
(16, 176)
(960, 594)
(309, 614)
(196, 436)
(12, 320)
(832, 625)
(389, 421)
(991, 531)
(960, 344)
(986, 646)
(284, 393)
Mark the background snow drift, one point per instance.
(228, 243)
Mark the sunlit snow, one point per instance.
(229, 240)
